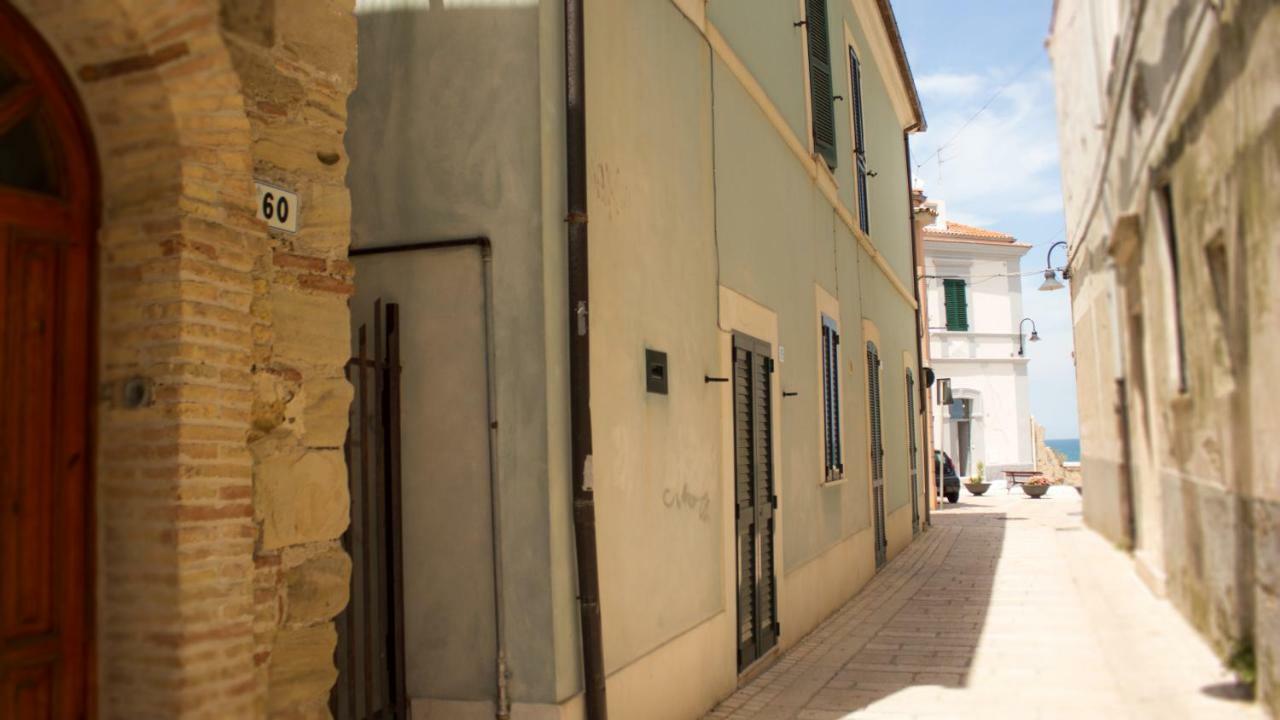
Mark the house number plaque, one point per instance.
(277, 207)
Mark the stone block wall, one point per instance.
(220, 500)
(296, 64)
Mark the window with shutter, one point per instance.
(859, 141)
(831, 400)
(820, 93)
(957, 308)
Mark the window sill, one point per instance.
(831, 480)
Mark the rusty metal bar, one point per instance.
(398, 692)
(363, 537)
(376, 536)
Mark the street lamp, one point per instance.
(1051, 275)
(1035, 336)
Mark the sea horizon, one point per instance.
(1069, 447)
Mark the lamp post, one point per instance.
(1051, 275)
(1035, 336)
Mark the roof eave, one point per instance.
(904, 66)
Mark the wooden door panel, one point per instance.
(27, 371)
(47, 231)
(27, 692)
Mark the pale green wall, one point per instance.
(762, 34)
(653, 285)
(778, 236)
(457, 128)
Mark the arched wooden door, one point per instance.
(47, 211)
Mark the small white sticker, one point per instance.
(277, 207)
(782, 354)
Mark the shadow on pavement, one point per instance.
(917, 623)
(928, 630)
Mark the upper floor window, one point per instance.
(1175, 281)
(831, 399)
(821, 99)
(859, 141)
(957, 304)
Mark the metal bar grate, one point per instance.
(370, 653)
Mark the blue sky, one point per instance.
(1001, 170)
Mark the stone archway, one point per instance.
(165, 111)
(220, 401)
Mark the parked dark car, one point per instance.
(947, 476)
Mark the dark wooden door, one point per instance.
(913, 449)
(755, 499)
(877, 454)
(46, 232)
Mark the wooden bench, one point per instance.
(1018, 477)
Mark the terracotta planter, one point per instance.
(1035, 491)
(977, 488)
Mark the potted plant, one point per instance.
(977, 484)
(1036, 486)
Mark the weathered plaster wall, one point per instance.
(1197, 110)
(454, 133)
(220, 501)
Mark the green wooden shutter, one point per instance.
(831, 397)
(755, 499)
(860, 142)
(912, 450)
(820, 93)
(877, 453)
(957, 309)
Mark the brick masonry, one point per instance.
(222, 498)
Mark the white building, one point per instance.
(974, 310)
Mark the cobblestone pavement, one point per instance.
(1007, 607)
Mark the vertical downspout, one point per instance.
(495, 490)
(925, 410)
(584, 506)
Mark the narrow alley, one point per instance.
(1005, 608)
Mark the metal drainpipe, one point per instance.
(584, 507)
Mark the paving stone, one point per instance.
(993, 613)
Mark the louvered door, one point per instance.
(877, 454)
(754, 498)
(46, 251)
(912, 449)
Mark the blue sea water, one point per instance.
(1069, 447)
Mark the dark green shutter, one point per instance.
(877, 454)
(820, 93)
(755, 501)
(957, 309)
(860, 152)
(912, 449)
(831, 397)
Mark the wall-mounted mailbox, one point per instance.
(655, 371)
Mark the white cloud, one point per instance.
(1002, 162)
(950, 84)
